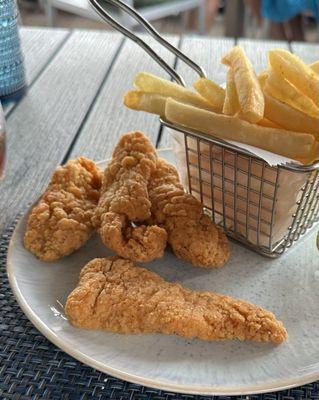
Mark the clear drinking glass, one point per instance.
(2, 142)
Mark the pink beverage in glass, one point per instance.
(2, 142)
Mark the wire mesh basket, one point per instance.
(265, 208)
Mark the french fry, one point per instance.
(289, 118)
(269, 124)
(250, 96)
(231, 103)
(292, 68)
(212, 92)
(149, 102)
(287, 143)
(315, 66)
(262, 77)
(279, 88)
(313, 156)
(150, 83)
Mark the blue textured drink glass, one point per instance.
(12, 76)
(2, 142)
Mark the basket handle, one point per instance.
(98, 6)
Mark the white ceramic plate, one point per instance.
(288, 286)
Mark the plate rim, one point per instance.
(120, 374)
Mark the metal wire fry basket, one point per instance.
(265, 208)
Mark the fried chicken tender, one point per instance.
(61, 223)
(191, 233)
(115, 295)
(124, 200)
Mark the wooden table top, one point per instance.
(73, 106)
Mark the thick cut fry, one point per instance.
(211, 92)
(231, 103)
(280, 141)
(142, 101)
(292, 68)
(262, 77)
(289, 118)
(269, 124)
(251, 98)
(315, 66)
(282, 90)
(153, 84)
(313, 157)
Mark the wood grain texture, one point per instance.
(109, 117)
(257, 50)
(207, 53)
(43, 125)
(38, 46)
(309, 52)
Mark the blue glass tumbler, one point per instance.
(12, 75)
(2, 142)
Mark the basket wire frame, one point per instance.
(240, 191)
(308, 209)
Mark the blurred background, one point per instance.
(295, 20)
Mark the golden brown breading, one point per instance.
(124, 199)
(142, 243)
(191, 233)
(60, 223)
(115, 295)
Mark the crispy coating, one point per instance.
(124, 199)
(191, 233)
(115, 295)
(142, 243)
(60, 223)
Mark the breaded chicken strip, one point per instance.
(61, 221)
(117, 296)
(191, 234)
(124, 199)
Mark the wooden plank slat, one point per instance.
(43, 125)
(109, 117)
(309, 52)
(38, 46)
(257, 50)
(207, 53)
